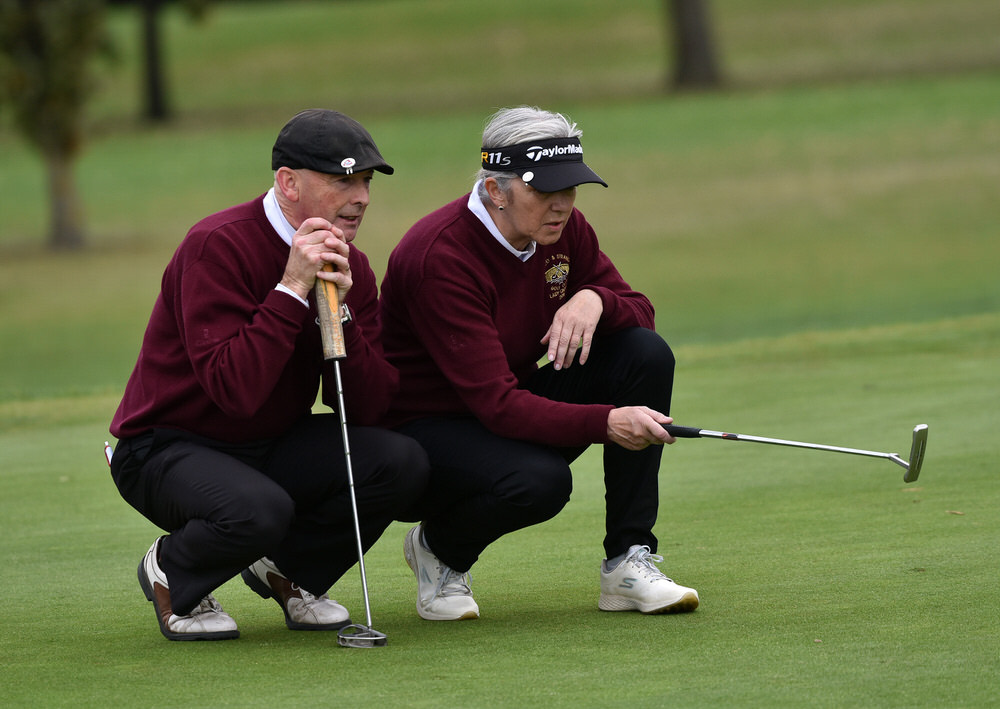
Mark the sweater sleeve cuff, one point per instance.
(608, 301)
(285, 289)
(597, 424)
(287, 308)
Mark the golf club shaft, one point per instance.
(689, 432)
(350, 483)
(332, 331)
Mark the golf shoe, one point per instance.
(442, 592)
(303, 610)
(636, 584)
(206, 622)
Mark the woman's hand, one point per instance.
(635, 427)
(573, 328)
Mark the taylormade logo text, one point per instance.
(537, 152)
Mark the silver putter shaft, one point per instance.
(912, 466)
(355, 635)
(332, 331)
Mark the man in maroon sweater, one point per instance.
(217, 443)
(474, 295)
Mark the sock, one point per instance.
(610, 564)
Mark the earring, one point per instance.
(500, 207)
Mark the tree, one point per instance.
(695, 63)
(47, 51)
(156, 106)
(155, 95)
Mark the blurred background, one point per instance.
(775, 165)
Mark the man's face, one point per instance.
(340, 199)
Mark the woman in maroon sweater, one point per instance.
(217, 443)
(475, 294)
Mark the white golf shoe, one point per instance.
(637, 585)
(303, 610)
(206, 622)
(442, 592)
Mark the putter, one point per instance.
(912, 465)
(331, 328)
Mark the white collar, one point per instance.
(477, 207)
(277, 217)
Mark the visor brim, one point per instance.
(559, 176)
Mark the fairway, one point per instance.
(820, 244)
(824, 579)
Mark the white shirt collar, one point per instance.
(285, 231)
(277, 217)
(477, 207)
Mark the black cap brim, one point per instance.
(556, 177)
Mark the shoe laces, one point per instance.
(208, 604)
(647, 561)
(452, 583)
(309, 599)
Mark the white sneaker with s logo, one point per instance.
(637, 584)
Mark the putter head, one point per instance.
(356, 635)
(917, 449)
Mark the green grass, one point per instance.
(820, 244)
(825, 580)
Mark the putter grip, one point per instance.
(683, 431)
(330, 326)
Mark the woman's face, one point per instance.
(529, 215)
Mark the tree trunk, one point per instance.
(694, 51)
(156, 108)
(66, 224)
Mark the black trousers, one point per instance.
(484, 486)
(227, 505)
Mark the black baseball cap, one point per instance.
(326, 141)
(547, 165)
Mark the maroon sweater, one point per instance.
(463, 319)
(227, 356)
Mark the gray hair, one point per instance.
(511, 126)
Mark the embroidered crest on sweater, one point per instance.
(557, 275)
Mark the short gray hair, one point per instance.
(512, 126)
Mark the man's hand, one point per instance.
(316, 243)
(573, 327)
(635, 427)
